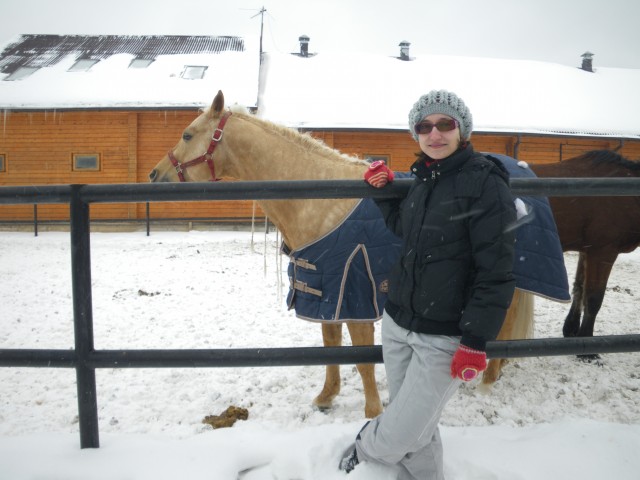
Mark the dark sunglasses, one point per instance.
(443, 125)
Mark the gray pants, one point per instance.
(420, 384)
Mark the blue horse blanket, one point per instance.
(539, 263)
(343, 276)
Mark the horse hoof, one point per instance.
(322, 406)
(592, 358)
(372, 412)
(484, 388)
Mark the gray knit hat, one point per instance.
(446, 103)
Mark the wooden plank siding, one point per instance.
(38, 147)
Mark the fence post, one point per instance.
(83, 320)
(148, 221)
(35, 219)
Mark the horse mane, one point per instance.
(304, 140)
(600, 157)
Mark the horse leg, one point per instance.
(571, 325)
(598, 267)
(518, 324)
(331, 337)
(491, 374)
(362, 335)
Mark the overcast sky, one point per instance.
(557, 31)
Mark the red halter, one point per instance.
(206, 157)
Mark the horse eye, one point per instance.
(186, 136)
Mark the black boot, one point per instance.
(350, 461)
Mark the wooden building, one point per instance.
(105, 109)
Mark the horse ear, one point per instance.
(218, 104)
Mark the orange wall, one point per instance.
(39, 145)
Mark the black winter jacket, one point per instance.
(454, 276)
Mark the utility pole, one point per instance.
(261, 13)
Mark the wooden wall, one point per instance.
(38, 147)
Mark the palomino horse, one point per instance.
(255, 150)
(599, 228)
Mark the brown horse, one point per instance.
(599, 228)
(256, 150)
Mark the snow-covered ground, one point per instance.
(554, 417)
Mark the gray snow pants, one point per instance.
(418, 373)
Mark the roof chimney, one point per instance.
(404, 50)
(304, 45)
(587, 61)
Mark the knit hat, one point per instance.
(446, 103)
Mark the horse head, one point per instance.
(184, 162)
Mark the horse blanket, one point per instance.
(539, 263)
(342, 277)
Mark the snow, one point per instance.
(552, 417)
(372, 91)
(350, 90)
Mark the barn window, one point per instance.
(20, 73)
(193, 72)
(374, 157)
(140, 62)
(86, 162)
(83, 65)
(3, 163)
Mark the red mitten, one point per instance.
(378, 174)
(467, 363)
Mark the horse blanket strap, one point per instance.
(303, 287)
(301, 262)
(343, 276)
(539, 262)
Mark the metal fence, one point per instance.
(85, 359)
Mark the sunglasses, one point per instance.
(443, 125)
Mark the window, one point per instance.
(140, 62)
(86, 162)
(193, 72)
(20, 73)
(3, 163)
(82, 65)
(374, 157)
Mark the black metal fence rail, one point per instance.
(85, 359)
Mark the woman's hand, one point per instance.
(468, 363)
(378, 174)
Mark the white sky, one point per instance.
(546, 30)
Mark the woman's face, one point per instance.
(437, 144)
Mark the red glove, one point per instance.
(378, 174)
(467, 363)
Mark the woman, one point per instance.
(448, 294)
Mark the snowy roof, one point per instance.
(368, 91)
(129, 71)
(349, 91)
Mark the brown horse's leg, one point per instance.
(572, 321)
(598, 267)
(331, 337)
(362, 335)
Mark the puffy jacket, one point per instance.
(454, 276)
